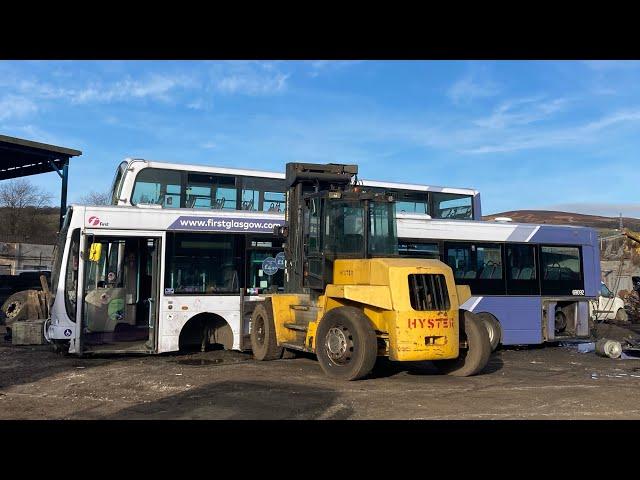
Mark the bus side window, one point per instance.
(521, 270)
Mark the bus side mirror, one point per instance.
(95, 252)
(281, 231)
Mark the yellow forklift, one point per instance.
(348, 297)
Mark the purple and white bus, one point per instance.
(531, 283)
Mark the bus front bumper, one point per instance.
(58, 332)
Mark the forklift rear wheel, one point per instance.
(263, 334)
(475, 356)
(346, 344)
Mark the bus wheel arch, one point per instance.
(493, 327)
(206, 330)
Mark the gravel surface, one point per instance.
(519, 383)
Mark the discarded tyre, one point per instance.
(608, 348)
(15, 308)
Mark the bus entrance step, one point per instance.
(295, 326)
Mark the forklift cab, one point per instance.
(344, 224)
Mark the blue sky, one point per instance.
(528, 134)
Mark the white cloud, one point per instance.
(197, 104)
(551, 137)
(157, 87)
(252, 83)
(318, 66)
(521, 111)
(14, 106)
(619, 117)
(36, 133)
(468, 89)
(604, 65)
(186, 87)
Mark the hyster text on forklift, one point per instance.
(348, 297)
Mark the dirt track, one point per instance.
(535, 383)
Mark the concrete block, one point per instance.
(28, 332)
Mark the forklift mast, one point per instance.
(303, 179)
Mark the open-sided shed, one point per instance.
(21, 158)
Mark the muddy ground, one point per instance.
(525, 383)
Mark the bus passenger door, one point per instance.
(264, 266)
(119, 294)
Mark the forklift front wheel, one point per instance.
(346, 344)
(263, 334)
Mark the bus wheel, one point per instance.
(475, 356)
(621, 315)
(346, 344)
(493, 329)
(263, 334)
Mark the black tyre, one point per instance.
(494, 331)
(15, 308)
(346, 344)
(475, 356)
(263, 334)
(621, 315)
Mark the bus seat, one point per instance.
(526, 273)
(552, 274)
(515, 273)
(470, 274)
(487, 271)
(230, 279)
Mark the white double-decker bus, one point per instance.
(175, 185)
